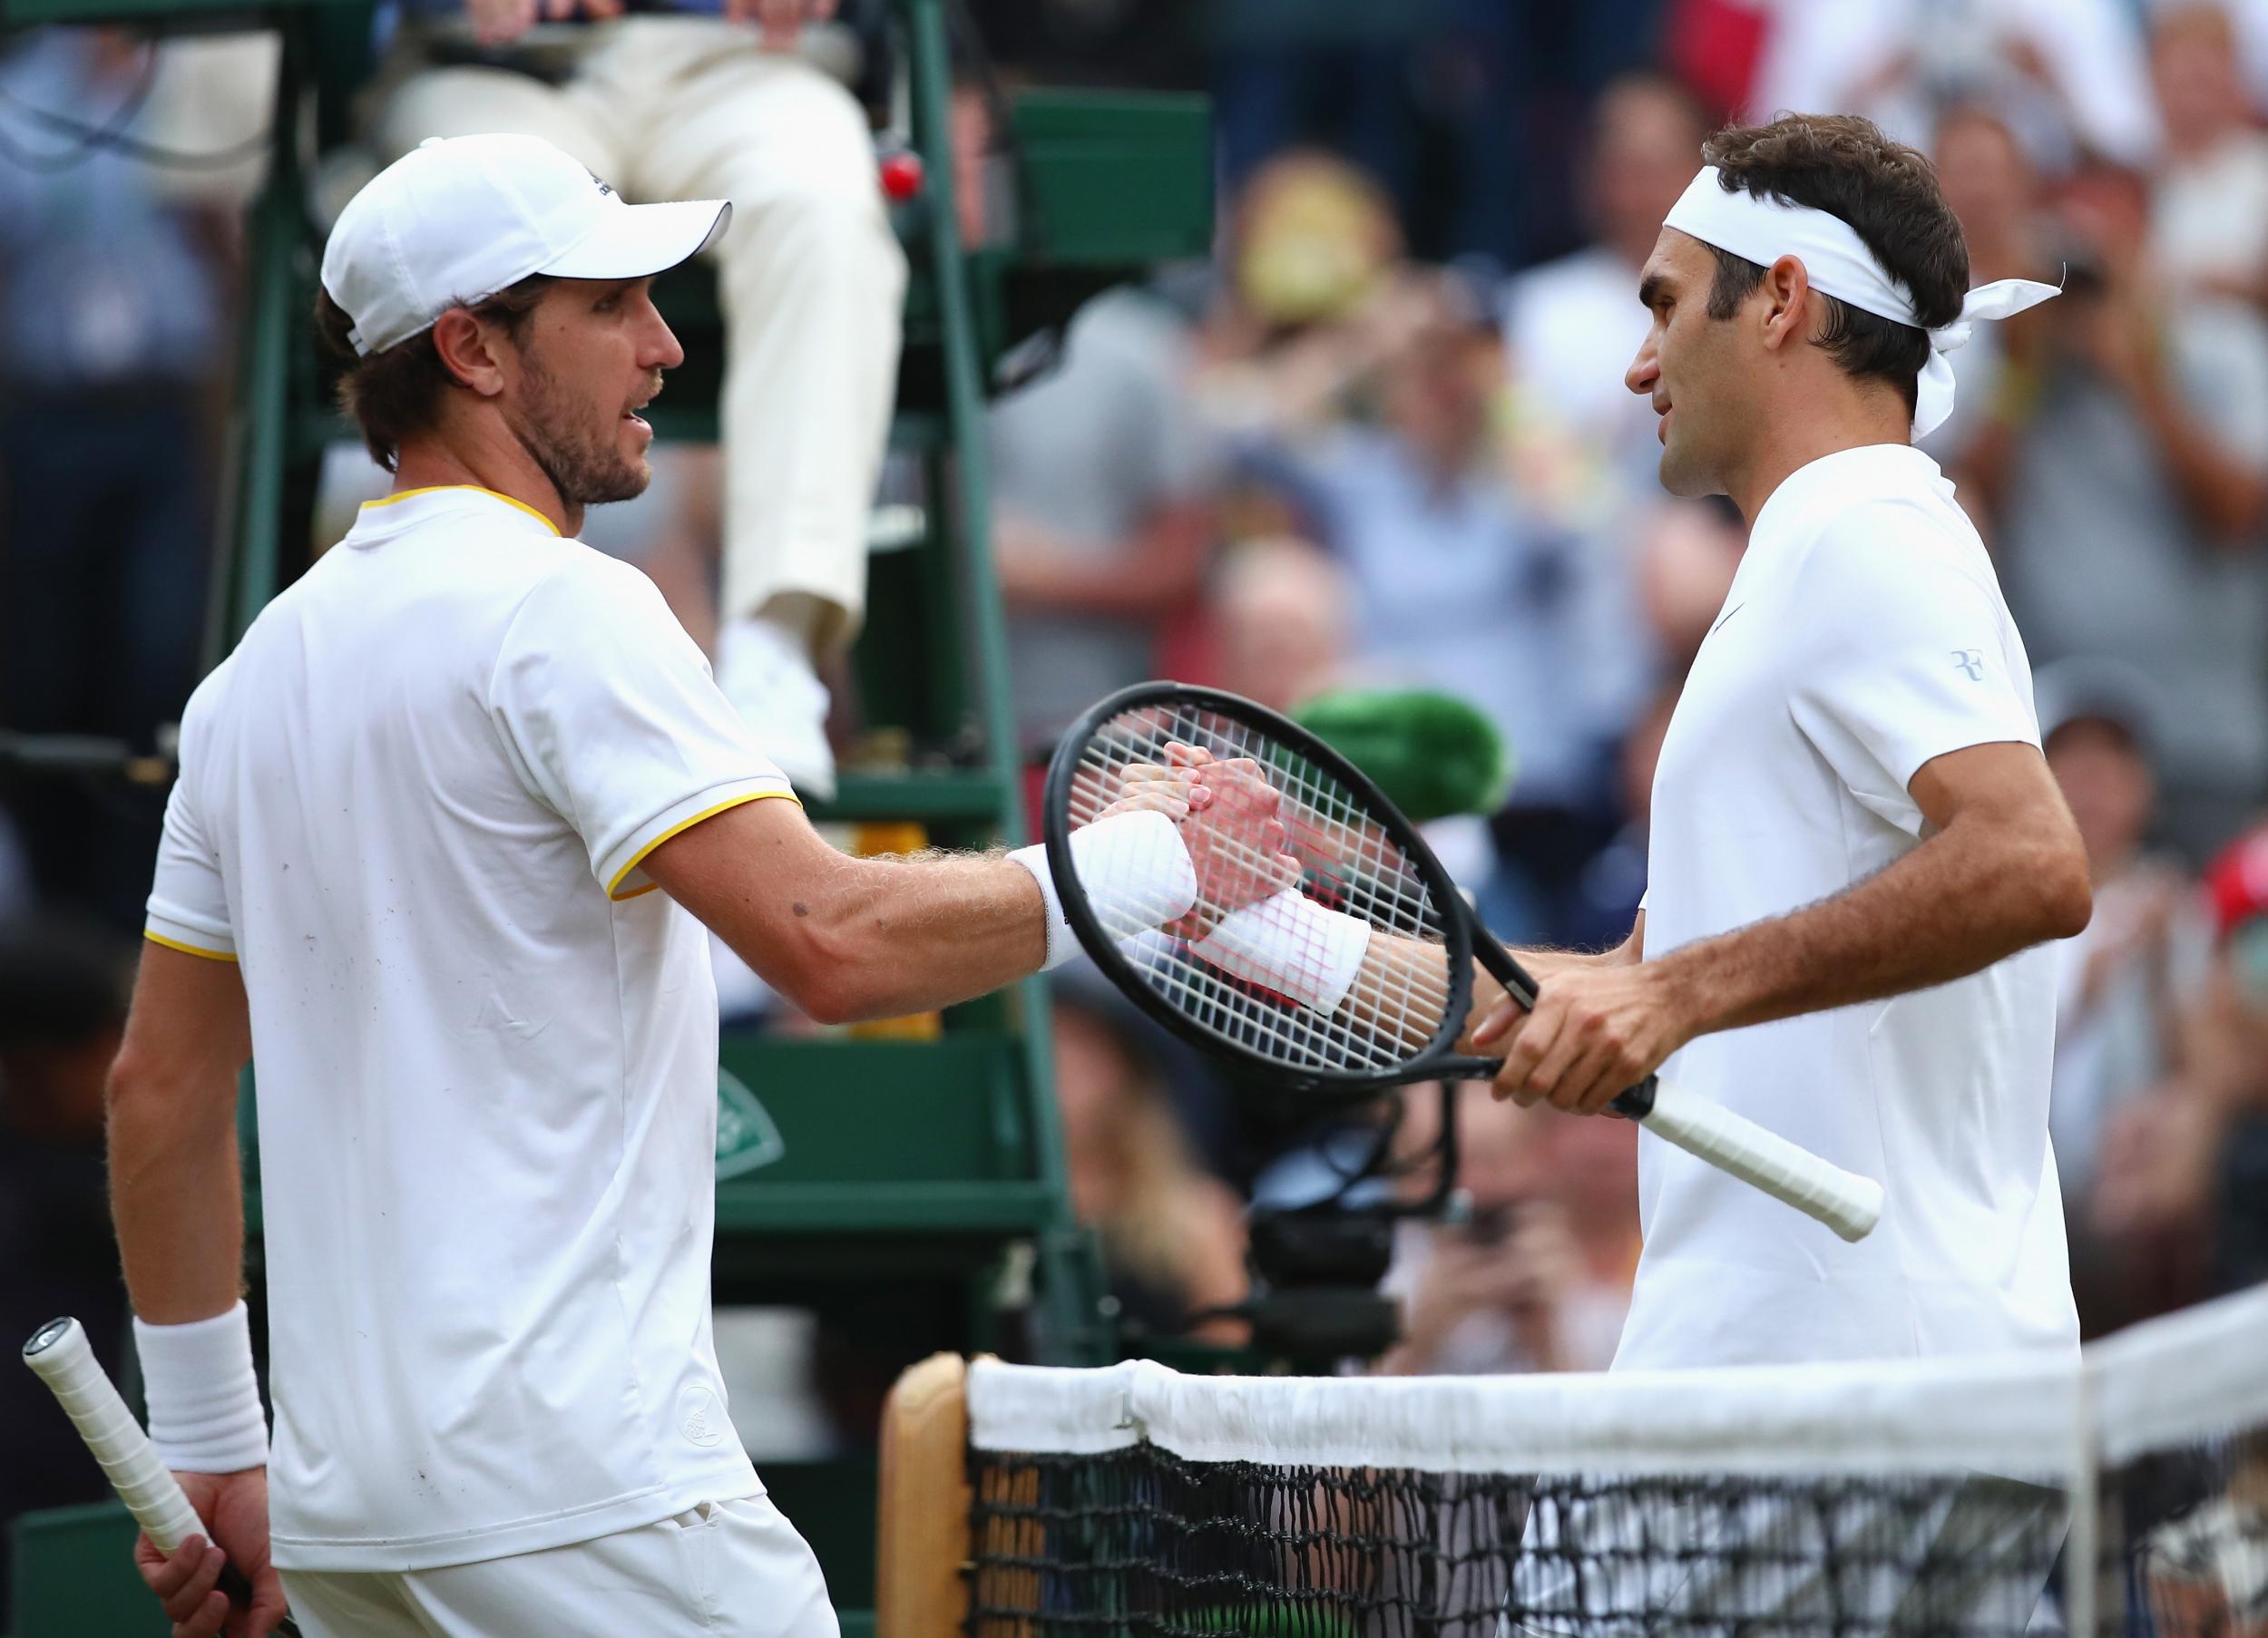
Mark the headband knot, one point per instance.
(1838, 263)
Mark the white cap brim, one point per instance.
(636, 241)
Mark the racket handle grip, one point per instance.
(64, 1361)
(1845, 1201)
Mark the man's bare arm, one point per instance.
(176, 1193)
(2001, 868)
(846, 938)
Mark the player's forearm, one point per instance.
(1961, 900)
(914, 934)
(176, 1193)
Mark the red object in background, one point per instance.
(902, 174)
(1713, 46)
(2237, 882)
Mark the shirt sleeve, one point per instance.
(1912, 655)
(612, 715)
(189, 907)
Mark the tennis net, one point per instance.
(1927, 1499)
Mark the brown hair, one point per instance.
(396, 394)
(1888, 193)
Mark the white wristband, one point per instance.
(1291, 945)
(204, 1401)
(1136, 872)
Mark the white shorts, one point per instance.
(734, 1569)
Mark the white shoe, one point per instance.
(766, 675)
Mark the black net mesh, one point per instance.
(2184, 1541)
(1140, 1541)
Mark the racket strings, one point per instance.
(1346, 862)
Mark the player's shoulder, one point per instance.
(570, 577)
(1902, 525)
(577, 605)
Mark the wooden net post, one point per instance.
(922, 1547)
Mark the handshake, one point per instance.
(1229, 820)
(1197, 848)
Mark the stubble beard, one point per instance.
(587, 468)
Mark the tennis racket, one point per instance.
(59, 1353)
(1273, 987)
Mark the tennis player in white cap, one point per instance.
(1857, 853)
(409, 867)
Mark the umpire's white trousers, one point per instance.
(733, 1569)
(811, 276)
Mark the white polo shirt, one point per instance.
(1863, 635)
(412, 804)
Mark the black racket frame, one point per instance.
(1463, 939)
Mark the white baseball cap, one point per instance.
(456, 220)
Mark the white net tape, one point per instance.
(2137, 1469)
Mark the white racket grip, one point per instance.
(62, 1356)
(1845, 1201)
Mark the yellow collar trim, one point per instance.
(436, 489)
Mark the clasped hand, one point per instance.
(1230, 821)
(1595, 1032)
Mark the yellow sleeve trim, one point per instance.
(434, 489)
(209, 955)
(678, 829)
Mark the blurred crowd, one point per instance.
(1424, 469)
(1381, 436)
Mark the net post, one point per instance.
(922, 1549)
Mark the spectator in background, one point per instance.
(1538, 1277)
(1315, 294)
(63, 1009)
(112, 333)
(1994, 188)
(714, 103)
(1582, 448)
(1455, 586)
(1280, 616)
(1612, 886)
(1287, 73)
(2122, 981)
(2132, 493)
(1172, 1235)
(2182, 1201)
(2070, 75)
(1101, 522)
(2209, 214)
(1646, 572)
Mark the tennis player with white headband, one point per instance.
(1856, 847)
(410, 863)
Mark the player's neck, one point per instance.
(496, 463)
(1800, 433)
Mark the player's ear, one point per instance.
(1784, 313)
(468, 351)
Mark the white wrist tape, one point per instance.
(1136, 872)
(1291, 945)
(204, 1401)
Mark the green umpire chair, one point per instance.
(910, 1193)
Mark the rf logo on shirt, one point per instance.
(1971, 660)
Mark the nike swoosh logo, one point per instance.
(1735, 609)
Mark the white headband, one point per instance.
(1838, 264)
